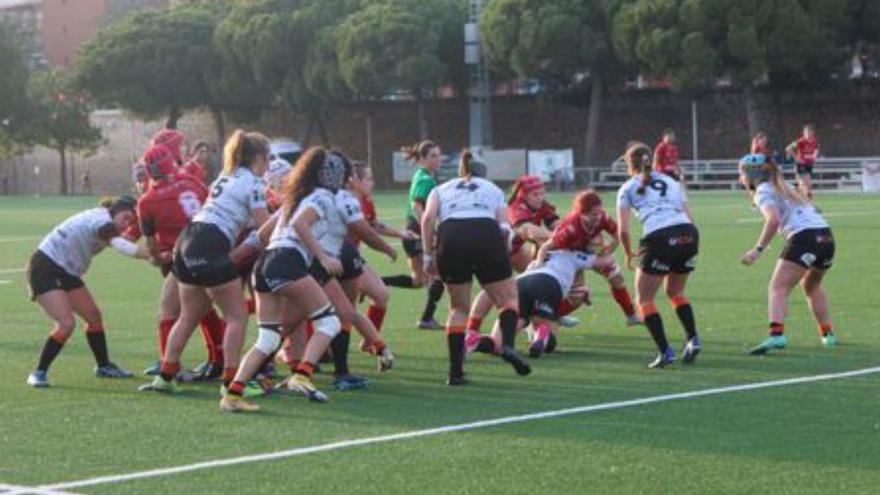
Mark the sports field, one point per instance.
(816, 435)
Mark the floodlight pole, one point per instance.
(479, 92)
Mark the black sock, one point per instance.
(50, 351)
(435, 292)
(402, 281)
(486, 345)
(776, 329)
(339, 346)
(686, 315)
(551, 343)
(655, 326)
(98, 343)
(455, 341)
(507, 320)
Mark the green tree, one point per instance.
(13, 80)
(564, 43)
(161, 62)
(403, 45)
(696, 43)
(59, 118)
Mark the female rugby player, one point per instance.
(55, 280)
(807, 255)
(471, 241)
(667, 251)
(533, 219)
(427, 157)
(202, 262)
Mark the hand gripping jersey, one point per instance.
(168, 207)
(794, 217)
(232, 199)
(519, 212)
(806, 151)
(563, 265)
(468, 198)
(661, 204)
(571, 234)
(74, 243)
(335, 213)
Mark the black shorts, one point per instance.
(413, 248)
(811, 248)
(670, 250)
(352, 262)
(539, 295)
(805, 169)
(44, 275)
(278, 267)
(201, 256)
(472, 247)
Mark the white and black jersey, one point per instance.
(563, 265)
(74, 243)
(659, 205)
(232, 200)
(335, 213)
(794, 217)
(473, 197)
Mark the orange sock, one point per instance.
(454, 329)
(305, 368)
(474, 324)
(825, 329)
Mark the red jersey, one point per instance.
(368, 208)
(519, 212)
(666, 157)
(168, 207)
(571, 234)
(196, 169)
(807, 149)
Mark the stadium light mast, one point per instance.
(479, 92)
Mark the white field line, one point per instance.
(5, 282)
(283, 454)
(759, 219)
(19, 239)
(6, 489)
(7, 271)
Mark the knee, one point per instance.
(66, 325)
(94, 319)
(383, 295)
(673, 293)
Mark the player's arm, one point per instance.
(771, 226)
(387, 231)
(109, 234)
(302, 225)
(624, 234)
(371, 237)
(791, 150)
(541, 255)
(429, 217)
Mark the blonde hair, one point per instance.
(242, 149)
(781, 187)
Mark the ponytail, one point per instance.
(514, 193)
(242, 149)
(302, 180)
(418, 151)
(638, 161)
(465, 164)
(782, 188)
(117, 204)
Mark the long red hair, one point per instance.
(585, 201)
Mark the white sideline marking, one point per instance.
(28, 490)
(7, 271)
(759, 219)
(5, 282)
(153, 473)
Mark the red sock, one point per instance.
(623, 299)
(825, 329)
(163, 333)
(474, 324)
(213, 330)
(169, 370)
(377, 316)
(310, 330)
(776, 329)
(229, 375)
(293, 364)
(378, 346)
(565, 308)
(251, 306)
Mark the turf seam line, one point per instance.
(153, 473)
